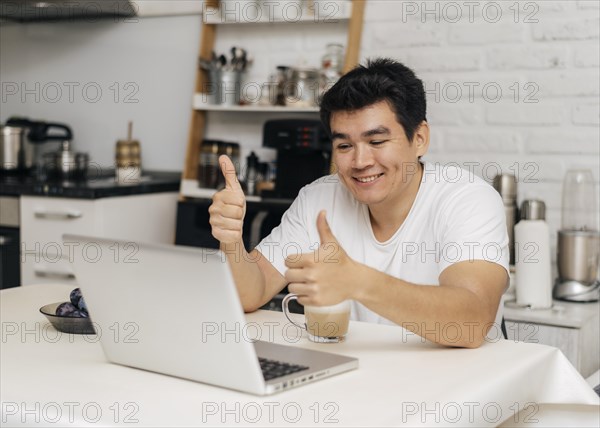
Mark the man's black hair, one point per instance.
(381, 79)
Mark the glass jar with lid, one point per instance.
(332, 63)
(302, 89)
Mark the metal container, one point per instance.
(506, 185)
(533, 209)
(65, 164)
(15, 152)
(578, 257)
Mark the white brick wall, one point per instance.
(549, 51)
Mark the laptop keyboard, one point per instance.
(272, 369)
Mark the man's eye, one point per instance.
(343, 146)
(377, 143)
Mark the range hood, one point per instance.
(61, 10)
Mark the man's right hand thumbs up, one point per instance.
(229, 206)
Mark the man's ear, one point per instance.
(421, 138)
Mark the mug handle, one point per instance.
(284, 305)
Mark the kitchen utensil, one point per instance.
(506, 185)
(208, 167)
(128, 159)
(226, 86)
(209, 170)
(578, 249)
(21, 141)
(533, 265)
(12, 150)
(332, 64)
(302, 89)
(579, 198)
(66, 164)
(71, 325)
(303, 153)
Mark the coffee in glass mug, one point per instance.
(325, 324)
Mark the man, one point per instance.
(411, 243)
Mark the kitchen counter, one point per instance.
(49, 378)
(561, 314)
(97, 185)
(571, 327)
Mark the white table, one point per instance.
(64, 380)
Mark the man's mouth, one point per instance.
(368, 179)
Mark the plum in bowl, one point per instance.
(67, 324)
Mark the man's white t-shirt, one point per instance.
(455, 217)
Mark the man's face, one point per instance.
(374, 159)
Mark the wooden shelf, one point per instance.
(245, 13)
(350, 10)
(199, 104)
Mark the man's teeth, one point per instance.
(367, 179)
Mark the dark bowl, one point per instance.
(72, 325)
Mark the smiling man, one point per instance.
(410, 243)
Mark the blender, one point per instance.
(578, 250)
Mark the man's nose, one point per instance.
(362, 157)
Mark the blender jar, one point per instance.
(579, 204)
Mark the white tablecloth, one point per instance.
(55, 379)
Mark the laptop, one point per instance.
(175, 310)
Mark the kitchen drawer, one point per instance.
(44, 270)
(44, 221)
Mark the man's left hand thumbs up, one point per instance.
(325, 233)
(322, 277)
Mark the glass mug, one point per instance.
(324, 324)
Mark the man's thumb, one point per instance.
(325, 233)
(228, 170)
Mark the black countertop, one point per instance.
(100, 186)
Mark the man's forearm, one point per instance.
(451, 316)
(248, 278)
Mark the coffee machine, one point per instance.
(303, 153)
(578, 249)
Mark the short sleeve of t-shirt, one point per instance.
(474, 227)
(290, 237)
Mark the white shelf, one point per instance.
(199, 104)
(190, 189)
(279, 12)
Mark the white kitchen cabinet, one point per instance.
(574, 328)
(44, 258)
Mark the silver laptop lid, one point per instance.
(168, 309)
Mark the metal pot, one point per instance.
(65, 164)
